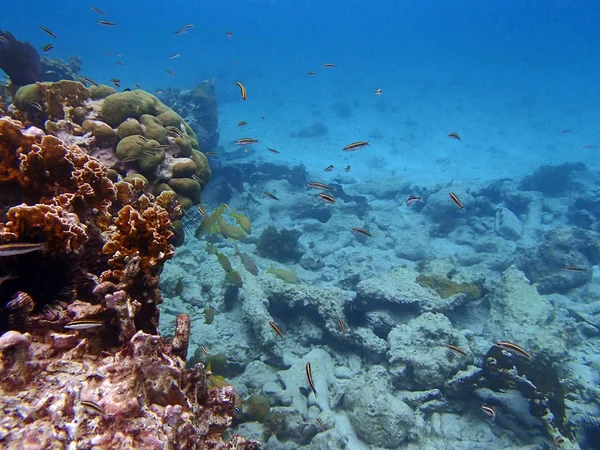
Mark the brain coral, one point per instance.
(130, 132)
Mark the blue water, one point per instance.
(518, 80)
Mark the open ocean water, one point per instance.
(471, 107)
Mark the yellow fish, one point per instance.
(286, 275)
(243, 221)
(230, 231)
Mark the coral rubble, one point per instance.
(81, 362)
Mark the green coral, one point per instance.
(123, 105)
(446, 288)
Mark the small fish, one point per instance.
(589, 146)
(326, 197)
(235, 279)
(179, 287)
(88, 80)
(201, 210)
(347, 169)
(276, 328)
(268, 194)
(159, 91)
(116, 82)
(174, 130)
(377, 91)
(106, 23)
(329, 66)
(84, 324)
(98, 10)
(188, 26)
(329, 168)
(342, 325)
(355, 146)
(319, 185)
(47, 48)
(412, 199)
(3, 39)
(242, 123)
(137, 85)
(454, 135)
(229, 34)
(20, 249)
(182, 31)
(247, 262)
(242, 90)
(119, 54)
(224, 261)
(6, 278)
(456, 200)
(203, 348)
(489, 412)
(573, 269)
(119, 63)
(170, 73)
(226, 206)
(272, 150)
(321, 424)
(35, 105)
(246, 141)
(456, 349)
(310, 378)
(93, 407)
(107, 52)
(209, 315)
(361, 231)
(210, 153)
(48, 31)
(513, 348)
(311, 73)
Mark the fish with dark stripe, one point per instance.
(310, 378)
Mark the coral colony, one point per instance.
(80, 357)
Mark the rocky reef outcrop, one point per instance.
(81, 361)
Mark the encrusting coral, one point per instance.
(81, 363)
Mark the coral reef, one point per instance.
(131, 133)
(81, 362)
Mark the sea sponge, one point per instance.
(447, 288)
(123, 105)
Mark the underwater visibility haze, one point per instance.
(300, 225)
